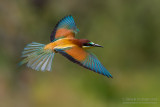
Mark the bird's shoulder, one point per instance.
(65, 43)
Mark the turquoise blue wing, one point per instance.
(91, 62)
(65, 27)
(84, 59)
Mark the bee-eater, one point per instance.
(39, 56)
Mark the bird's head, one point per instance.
(88, 44)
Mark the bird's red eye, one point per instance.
(87, 44)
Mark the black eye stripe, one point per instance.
(87, 44)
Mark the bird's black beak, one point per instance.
(96, 45)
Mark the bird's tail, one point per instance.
(37, 57)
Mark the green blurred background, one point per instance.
(129, 30)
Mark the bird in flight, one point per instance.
(39, 56)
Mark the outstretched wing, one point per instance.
(83, 58)
(66, 27)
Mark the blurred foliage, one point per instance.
(128, 29)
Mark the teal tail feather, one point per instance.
(36, 57)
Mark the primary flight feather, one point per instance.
(39, 56)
